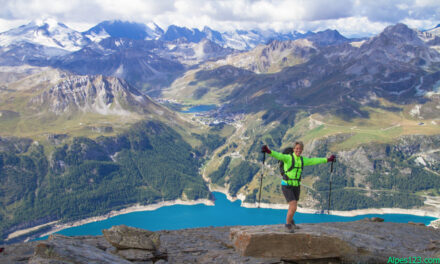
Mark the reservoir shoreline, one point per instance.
(56, 226)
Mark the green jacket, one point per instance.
(295, 174)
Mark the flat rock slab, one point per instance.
(360, 241)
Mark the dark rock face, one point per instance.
(366, 241)
(57, 139)
(14, 145)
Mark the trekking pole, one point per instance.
(261, 179)
(330, 190)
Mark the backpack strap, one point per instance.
(293, 163)
(282, 171)
(302, 167)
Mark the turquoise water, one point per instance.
(224, 213)
(200, 108)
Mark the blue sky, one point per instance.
(350, 17)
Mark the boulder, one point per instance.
(275, 242)
(62, 249)
(372, 219)
(124, 237)
(417, 224)
(360, 241)
(377, 219)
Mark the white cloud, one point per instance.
(8, 24)
(352, 17)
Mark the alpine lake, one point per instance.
(223, 213)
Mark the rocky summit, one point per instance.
(364, 241)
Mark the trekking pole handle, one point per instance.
(333, 161)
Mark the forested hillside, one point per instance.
(86, 177)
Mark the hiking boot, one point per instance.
(289, 228)
(293, 225)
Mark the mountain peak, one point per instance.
(331, 33)
(175, 32)
(51, 22)
(125, 29)
(399, 27)
(213, 35)
(327, 37)
(50, 25)
(400, 33)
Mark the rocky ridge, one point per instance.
(363, 241)
(103, 95)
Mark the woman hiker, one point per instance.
(290, 184)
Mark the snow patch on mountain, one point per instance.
(48, 33)
(97, 36)
(435, 90)
(154, 31)
(420, 161)
(415, 111)
(357, 44)
(119, 71)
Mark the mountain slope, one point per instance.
(147, 64)
(59, 102)
(395, 65)
(364, 101)
(76, 146)
(189, 53)
(133, 52)
(133, 60)
(148, 163)
(272, 57)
